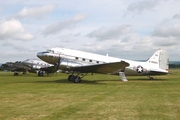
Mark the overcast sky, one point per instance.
(129, 29)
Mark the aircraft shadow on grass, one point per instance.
(144, 79)
(64, 81)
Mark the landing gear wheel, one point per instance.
(24, 73)
(77, 79)
(71, 77)
(151, 78)
(40, 73)
(15, 74)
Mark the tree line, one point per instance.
(173, 66)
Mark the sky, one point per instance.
(128, 29)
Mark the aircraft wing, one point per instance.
(101, 68)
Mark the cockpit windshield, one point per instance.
(50, 51)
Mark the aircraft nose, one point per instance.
(47, 57)
(40, 54)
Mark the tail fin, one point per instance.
(160, 59)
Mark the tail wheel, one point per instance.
(151, 78)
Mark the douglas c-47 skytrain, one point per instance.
(79, 63)
(29, 65)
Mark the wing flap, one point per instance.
(101, 68)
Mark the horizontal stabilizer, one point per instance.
(158, 72)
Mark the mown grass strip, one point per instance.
(29, 97)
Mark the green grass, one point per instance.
(98, 97)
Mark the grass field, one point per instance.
(97, 97)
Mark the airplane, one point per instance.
(15, 67)
(39, 66)
(81, 63)
(29, 65)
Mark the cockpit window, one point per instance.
(50, 51)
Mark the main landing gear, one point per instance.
(16, 73)
(76, 78)
(40, 73)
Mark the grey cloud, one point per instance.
(34, 12)
(177, 16)
(59, 26)
(143, 5)
(166, 42)
(110, 33)
(130, 37)
(7, 44)
(78, 34)
(167, 31)
(19, 48)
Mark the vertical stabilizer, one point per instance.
(160, 59)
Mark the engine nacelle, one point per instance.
(65, 64)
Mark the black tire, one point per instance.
(39, 73)
(42, 74)
(77, 79)
(71, 77)
(24, 73)
(15, 74)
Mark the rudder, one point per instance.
(164, 60)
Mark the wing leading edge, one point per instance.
(101, 68)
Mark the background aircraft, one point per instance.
(80, 62)
(15, 67)
(29, 65)
(39, 66)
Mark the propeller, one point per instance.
(58, 63)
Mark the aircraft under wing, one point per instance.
(51, 69)
(101, 68)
